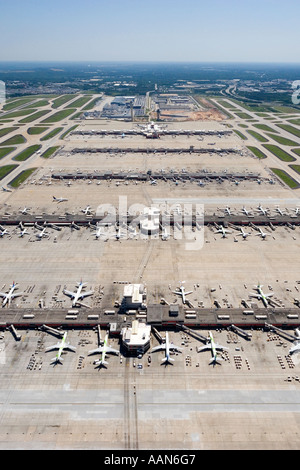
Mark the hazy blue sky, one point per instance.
(150, 30)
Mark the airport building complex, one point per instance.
(152, 242)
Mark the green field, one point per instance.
(6, 169)
(7, 130)
(80, 102)
(290, 129)
(62, 100)
(50, 151)
(278, 152)
(52, 133)
(264, 127)
(283, 141)
(68, 131)
(34, 116)
(36, 130)
(258, 153)
(285, 177)
(59, 115)
(15, 183)
(16, 103)
(15, 140)
(5, 151)
(27, 153)
(296, 151)
(295, 168)
(257, 136)
(242, 136)
(21, 113)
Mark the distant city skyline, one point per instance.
(158, 31)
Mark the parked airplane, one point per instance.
(261, 296)
(78, 295)
(43, 232)
(59, 199)
(213, 347)
(297, 211)
(181, 291)
(23, 231)
(222, 230)
(87, 210)
(262, 210)
(7, 297)
(167, 346)
(246, 212)
(25, 210)
(296, 345)
(105, 349)
(61, 346)
(280, 211)
(262, 234)
(98, 232)
(165, 235)
(3, 232)
(6, 189)
(243, 234)
(153, 181)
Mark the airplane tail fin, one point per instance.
(167, 359)
(55, 360)
(215, 360)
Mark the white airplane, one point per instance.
(105, 349)
(262, 210)
(3, 232)
(78, 295)
(25, 210)
(296, 345)
(280, 211)
(153, 182)
(222, 230)
(165, 235)
(262, 234)
(119, 234)
(261, 296)
(59, 199)
(246, 212)
(60, 346)
(23, 231)
(213, 347)
(6, 189)
(227, 211)
(98, 232)
(43, 232)
(87, 210)
(7, 297)
(181, 291)
(167, 346)
(297, 210)
(243, 234)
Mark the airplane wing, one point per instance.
(85, 294)
(218, 346)
(172, 346)
(67, 292)
(2, 294)
(295, 348)
(111, 350)
(158, 348)
(55, 346)
(203, 348)
(70, 347)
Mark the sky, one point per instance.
(150, 30)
